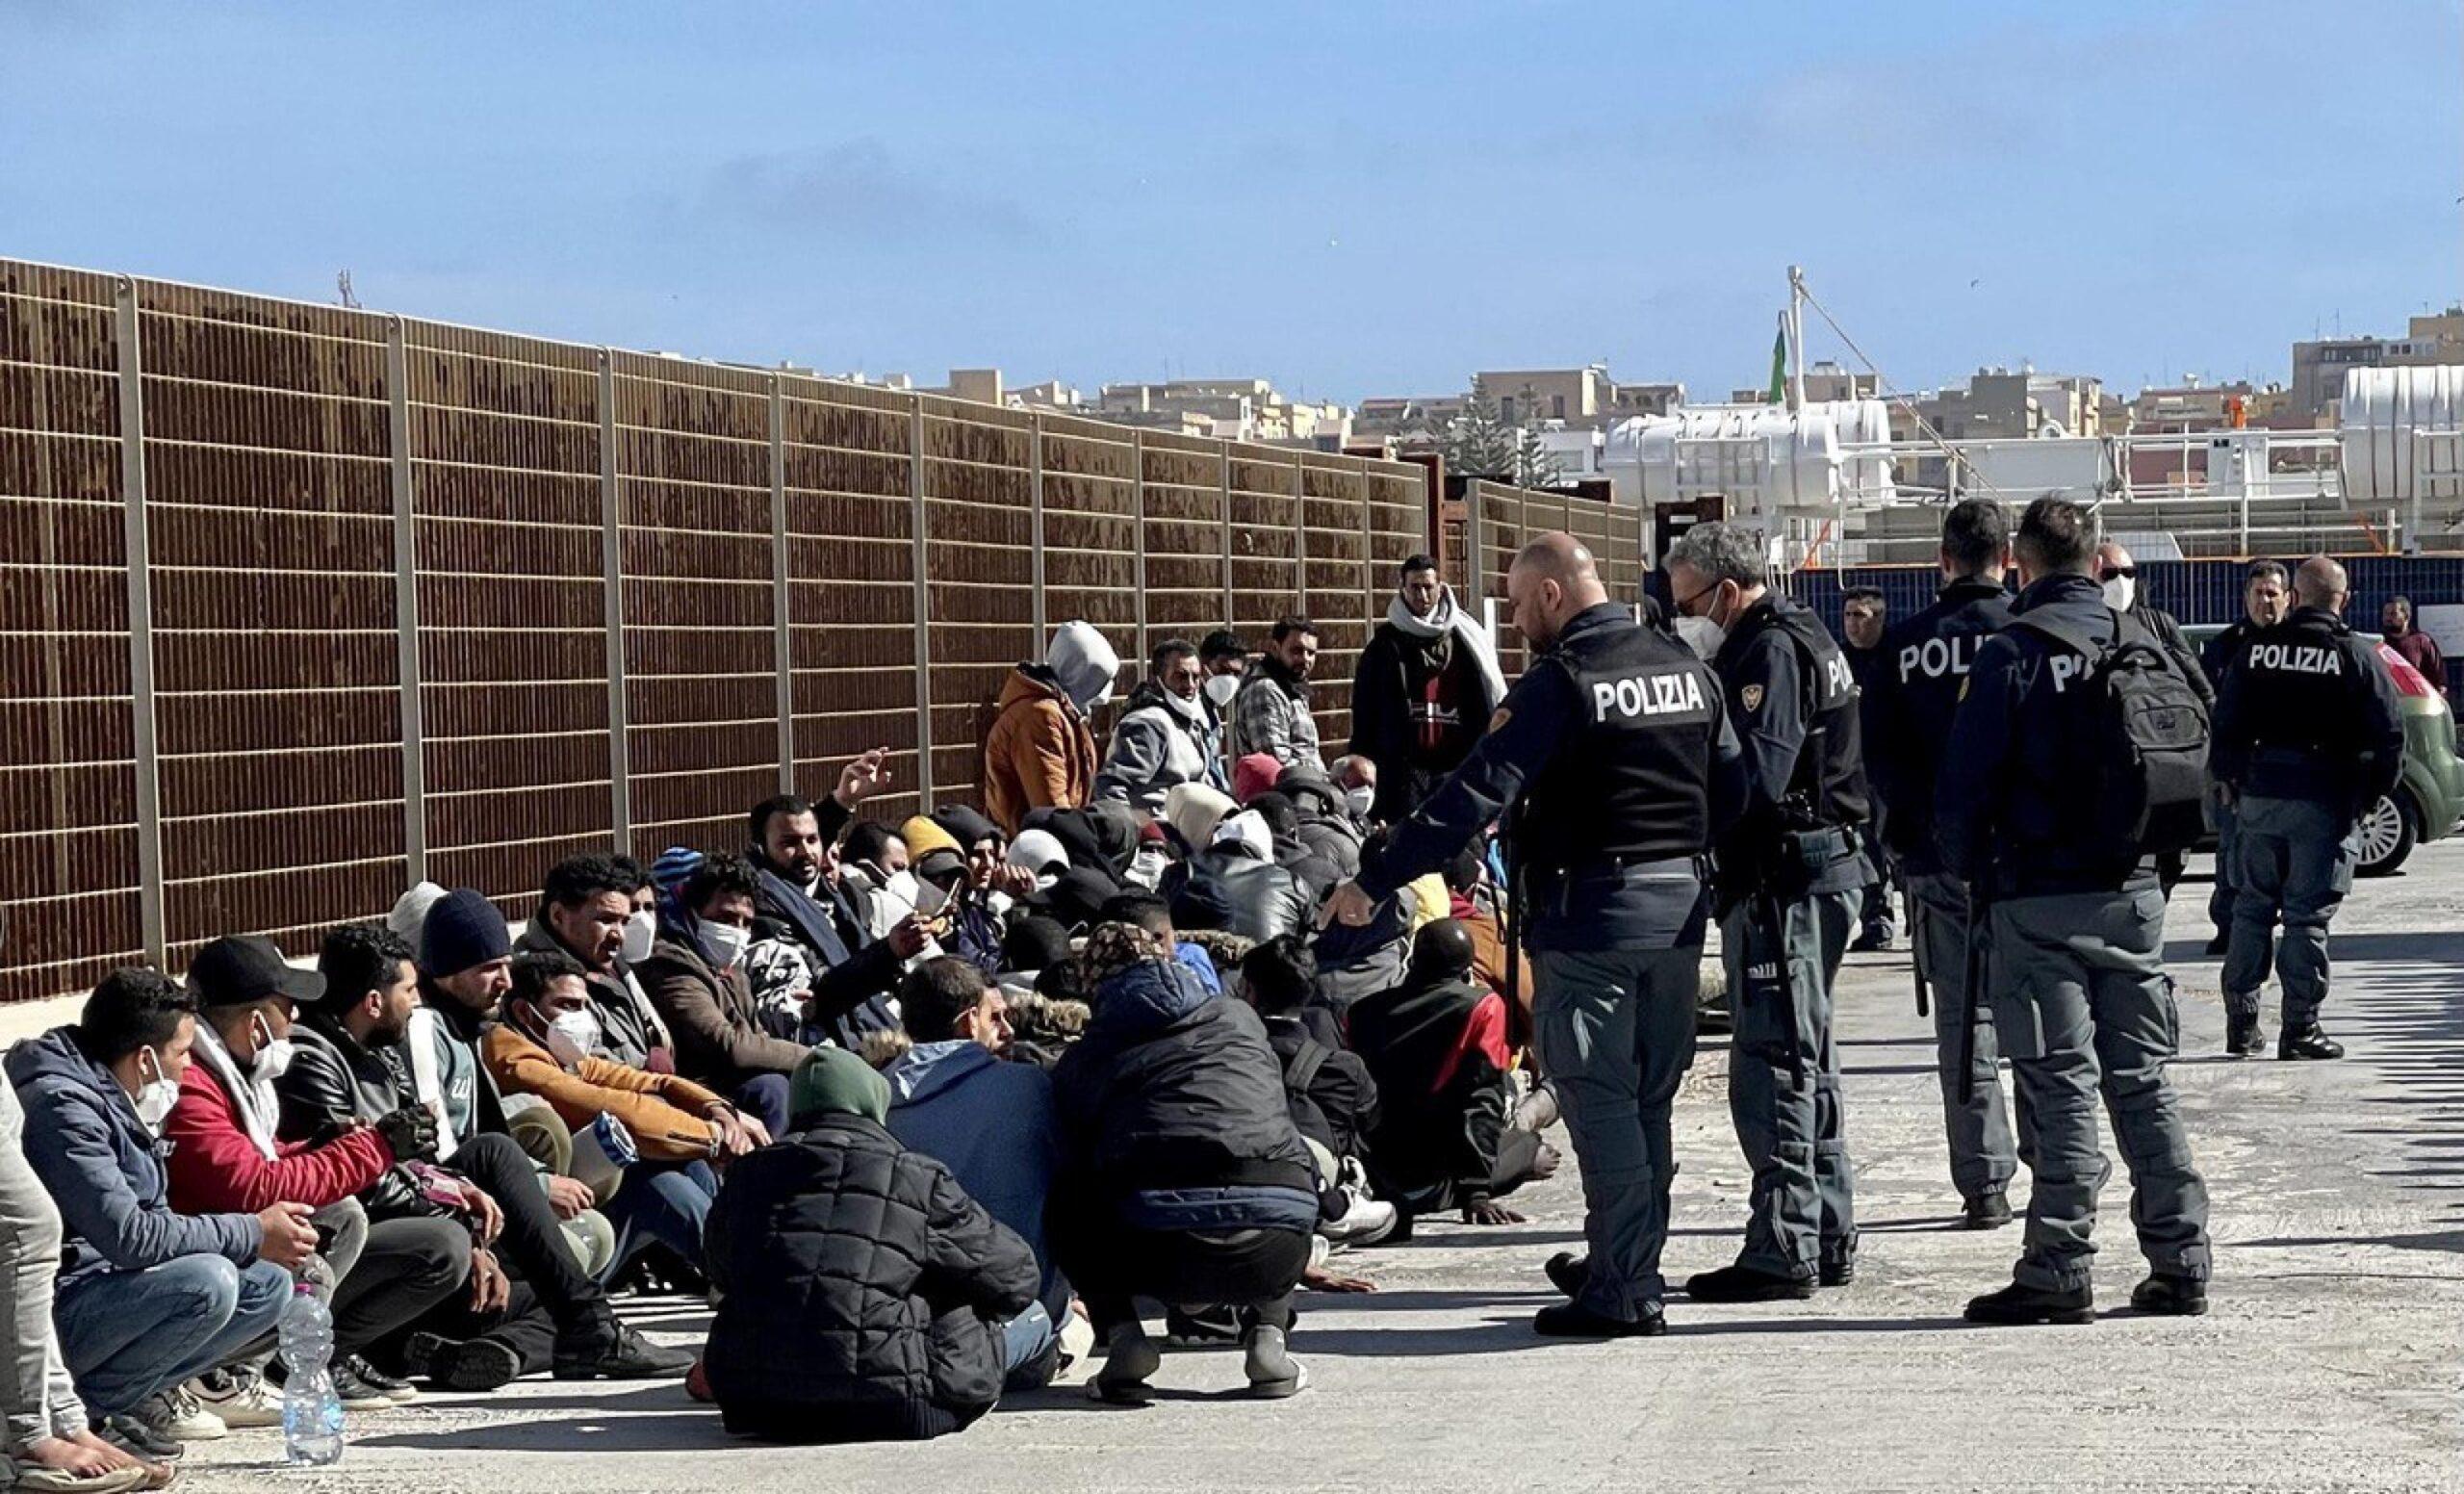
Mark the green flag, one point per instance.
(1779, 365)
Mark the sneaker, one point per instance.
(179, 1418)
(1274, 1374)
(238, 1397)
(2023, 1306)
(138, 1439)
(2170, 1297)
(2306, 1042)
(623, 1354)
(1573, 1320)
(1745, 1284)
(1986, 1211)
(1130, 1359)
(395, 1388)
(468, 1364)
(1364, 1220)
(356, 1394)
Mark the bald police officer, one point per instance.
(1908, 708)
(2077, 922)
(1614, 759)
(2307, 737)
(1790, 875)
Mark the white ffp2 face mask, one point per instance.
(1220, 689)
(2120, 592)
(155, 1099)
(1701, 634)
(1359, 800)
(573, 1037)
(723, 945)
(641, 931)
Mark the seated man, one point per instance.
(954, 1099)
(1182, 1177)
(958, 911)
(1315, 872)
(1235, 885)
(596, 909)
(1437, 1045)
(225, 1157)
(861, 1288)
(1164, 736)
(697, 981)
(547, 1046)
(351, 1068)
(805, 900)
(148, 1299)
(1333, 1100)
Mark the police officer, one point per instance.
(1790, 875)
(2266, 594)
(1906, 717)
(2077, 925)
(1614, 756)
(2307, 737)
(1863, 614)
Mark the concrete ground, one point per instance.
(2331, 1360)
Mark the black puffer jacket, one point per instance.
(1173, 1110)
(1328, 829)
(334, 1078)
(860, 1291)
(1230, 889)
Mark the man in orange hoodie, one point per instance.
(1040, 751)
(663, 1132)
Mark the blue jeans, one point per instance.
(666, 1201)
(1024, 1339)
(129, 1334)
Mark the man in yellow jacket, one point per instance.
(1040, 751)
(660, 1135)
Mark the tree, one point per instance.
(1483, 443)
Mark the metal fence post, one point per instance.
(406, 601)
(783, 633)
(126, 333)
(1223, 474)
(1367, 542)
(611, 519)
(1138, 530)
(1300, 542)
(1036, 555)
(923, 614)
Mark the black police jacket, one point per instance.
(2309, 712)
(1642, 810)
(1910, 700)
(2219, 654)
(2006, 816)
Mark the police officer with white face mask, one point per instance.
(1791, 879)
(1908, 707)
(1615, 763)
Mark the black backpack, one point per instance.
(2148, 793)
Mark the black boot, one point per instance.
(1569, 1272)
(1986, 1211)
(1837, 1271)
(2242, 1038)
(2172, 1297)
(2306, 1042)
(2019, 1307)
(1745, 1284)
(1573, 1320)
(601, 1347)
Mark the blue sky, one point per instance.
(1353, 199)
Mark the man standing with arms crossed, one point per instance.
(1614, 759)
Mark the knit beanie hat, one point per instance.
(835, 1082)
(1253, 775)
(924, 835)
(463, 929)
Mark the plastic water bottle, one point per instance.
(312, 1412)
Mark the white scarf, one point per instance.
(1448, 618)
(256, 1103)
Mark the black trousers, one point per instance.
(407, 1268)
(1253, 1271)
(532, 1243)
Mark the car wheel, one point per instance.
(2387, 836)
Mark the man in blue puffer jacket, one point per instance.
(1182, 1175)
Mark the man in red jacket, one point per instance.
(224, 1157)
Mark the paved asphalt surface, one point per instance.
(2331, 1360)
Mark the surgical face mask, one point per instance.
(1146, 867)
(723, 943)
(273, 1054)
(155, 1099)
(573, 1037)
(1358, 800)
(1220, 689)
(1701, 634)
(641, 931)
(2120, 591)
